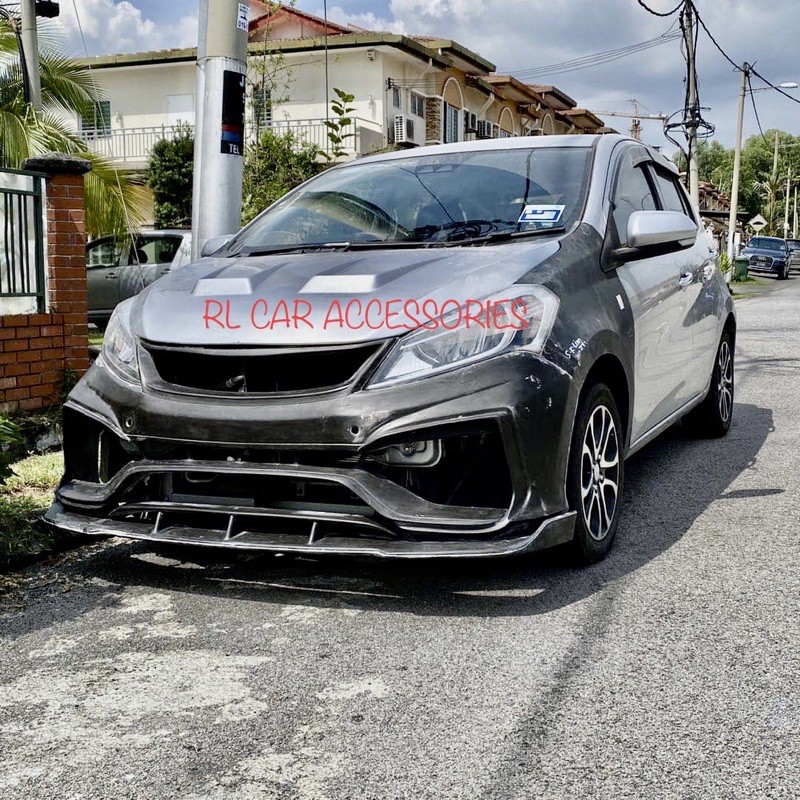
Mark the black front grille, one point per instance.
(260, 370)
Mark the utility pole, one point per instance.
(737, 168)
(786, 204)
(694, 111)
(219, 131)
(30, 47)
(794, 227)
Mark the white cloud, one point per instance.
(367, 20)
(119, 27)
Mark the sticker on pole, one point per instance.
(241, 17)
(233, 97)
(544, 214)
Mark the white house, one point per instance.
(409, 90)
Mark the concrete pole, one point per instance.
(219, 128)
(786, 204)
(30, 44)
(794, 227)
(737, 168)
(691, 127)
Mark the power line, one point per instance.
(773, 86)
(755, 109)
(660, 13)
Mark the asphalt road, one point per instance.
(671, 670)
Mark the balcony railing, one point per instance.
(132, 146)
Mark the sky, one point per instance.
(520, 34)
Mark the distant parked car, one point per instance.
(794, 253)
(120, 267)
(768, 254)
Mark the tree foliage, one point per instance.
(338, 132)
(761, 191)
(169, 175)
(274, 165)
(113, 202)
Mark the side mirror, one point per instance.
(214, 244)
(653, 228)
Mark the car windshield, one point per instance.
(794, 244)
(447, 197)
(763, 243)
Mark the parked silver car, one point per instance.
(120, 267)
(441, 352)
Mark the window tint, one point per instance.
(103, 254)
(155, 249)
(632, 193)
(671, 194)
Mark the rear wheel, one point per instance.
(712, 418)
(596, 473)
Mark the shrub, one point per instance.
(273, 166)
(11, 442)
(169, 175)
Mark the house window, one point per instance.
(505, 134)
(97, 122)
(417, 105)
(396, 98)
(262, 107)
(452, 123)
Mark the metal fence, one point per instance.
(22, 236)
(134, 145)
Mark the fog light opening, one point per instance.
(411, 454)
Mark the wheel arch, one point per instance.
(608, 369)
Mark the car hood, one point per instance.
(229, 301)
(763, 251)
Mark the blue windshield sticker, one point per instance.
(550, 214)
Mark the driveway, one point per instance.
(671, 670)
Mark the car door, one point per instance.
(103, 258)
(658, 302)
(702, 296)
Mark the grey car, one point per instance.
(444, 352)
(120, 267)
(794, 253)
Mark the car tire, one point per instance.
(595, 474)
(784, 274)
(712, 418)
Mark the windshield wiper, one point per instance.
(503, 236)
(293, 248)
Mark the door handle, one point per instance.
(686, 279)
(112, 276)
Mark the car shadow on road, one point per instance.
(669, 485)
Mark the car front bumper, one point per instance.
(241, 472)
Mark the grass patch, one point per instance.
(95, 337)
(24, 498)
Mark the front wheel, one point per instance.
(595, 475)
(712, 418)
(783, 274)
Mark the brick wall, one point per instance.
(39, 351)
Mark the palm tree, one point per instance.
(113, 202)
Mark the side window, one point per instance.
(155, 249)
(672, 195)
(103, 254)
(632, 192)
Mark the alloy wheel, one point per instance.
(600, 470)
(725, 381)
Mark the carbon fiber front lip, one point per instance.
(550, 532)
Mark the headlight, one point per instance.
(521, 319)
(119, 346)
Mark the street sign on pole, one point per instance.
(758, 223)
